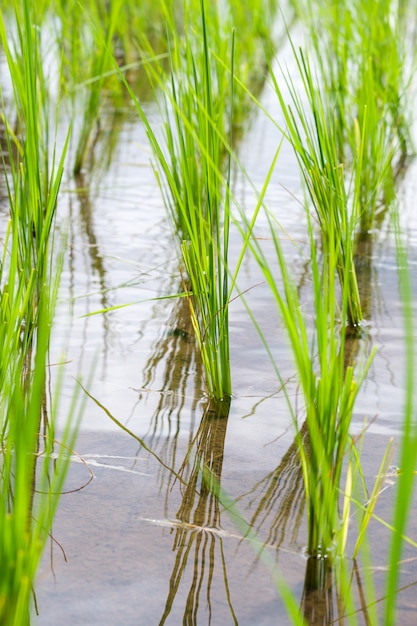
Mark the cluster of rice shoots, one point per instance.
(31, 472)
(363, 65)
(349, 129)
(311, 128)
(193, 169)
(89, 37)
(328, 387)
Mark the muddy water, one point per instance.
(137, 539)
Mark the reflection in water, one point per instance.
(317, 602)
(86, 212)
(365, 270)
(279, 497)
(201, 470)
(177, 352)
(327, 594)
(86, 215)
(282, 503)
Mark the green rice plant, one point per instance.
(135, 19)
(253, 21)
(204, 209)
(312, 131)
(32, 464)
(196, 106)
(31, 472)
(35, 177)
(102, 29)
(361, 58)
(328, 388)
(92, 36)
(193, 168)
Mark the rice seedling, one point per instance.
(32, 466)
(194, 105)
(35, 176)
(193, 167)
(205, 221)
(103, 28)
(253, 22)
(89, 37)
(361, 58)
(327, 385)
(312, 131)
(31, 472)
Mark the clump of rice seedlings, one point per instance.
(92, 36)
(329, 382)
(193, 167)
(102, 31)
(253, 21)
(328, 387)
(32, 463)
(204, 209)
(35, 177)
(312, 130)
(29, 485)
(196, 106)
(361, 57)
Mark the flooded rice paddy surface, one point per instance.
(137, 540)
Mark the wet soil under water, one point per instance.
(142, 543)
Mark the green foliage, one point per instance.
(193, 169)
(204, 61)
(328, 387)
(31, 472)
(360, 53)
(312, 130)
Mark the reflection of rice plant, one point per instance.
(196, 541)
(280, 508)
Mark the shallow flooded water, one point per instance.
(138, 539)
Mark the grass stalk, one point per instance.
(408, 450)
